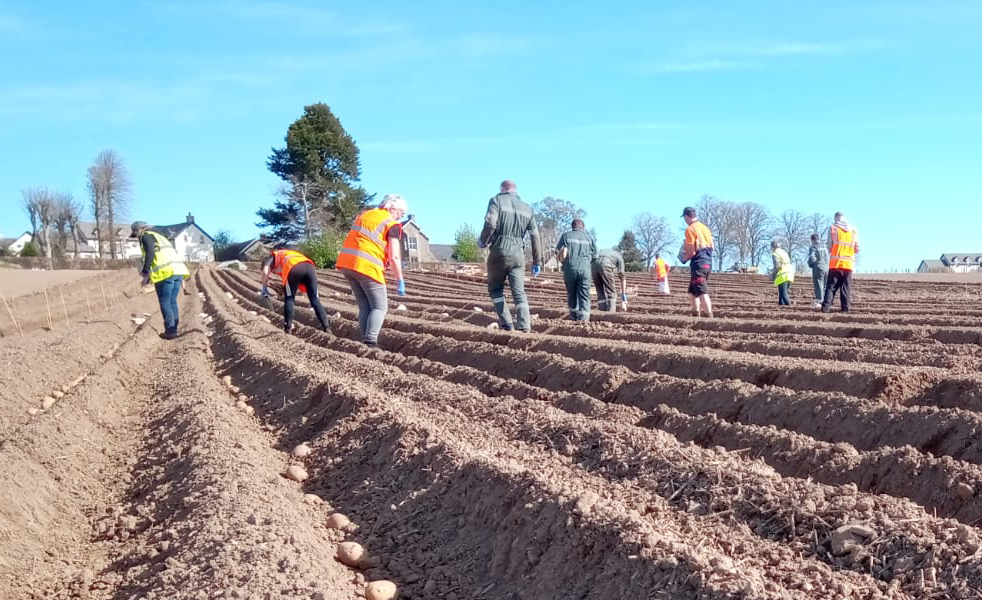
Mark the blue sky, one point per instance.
(874, 108)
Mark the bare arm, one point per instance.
(394, 252)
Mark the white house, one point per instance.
(13, 246)
(953, 262)
(193, 244)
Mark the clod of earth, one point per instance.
(227, 380)
(964, 491)
(381, 590)
(243, 398)
(847, 537)
(58, 394)
(302, 451)
(338, 521)
(47, 403)
(352, 554)
(33, 411)
(313, 499)
(296, 473)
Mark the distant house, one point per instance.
(952, 262)
(251, 250)
(443, 253)
(192, 243)
(13, 246)
(416, 244)
(88, 241)
(932, 266)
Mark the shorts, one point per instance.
(699, 276)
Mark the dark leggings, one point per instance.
(306, 275)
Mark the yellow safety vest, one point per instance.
(364, 248)
(843, 254)
(785, 268)
(166, 263)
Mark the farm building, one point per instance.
(251, 250)
(952, 262)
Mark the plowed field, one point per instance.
(771, 452)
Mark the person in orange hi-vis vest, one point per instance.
(372, 245)
(659, 272)
(697, 250)
(843, 248)
(298, 275)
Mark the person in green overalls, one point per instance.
(577, 250)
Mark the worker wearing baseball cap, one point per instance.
(697, 250)
(164, 269)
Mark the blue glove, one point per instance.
(623, 297)
(265, 292)
(535, 270)
(401, 289)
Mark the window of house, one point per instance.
(413, 243)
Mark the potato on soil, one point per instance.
(234, 389)
(58, 394)
(352, 554)
(47, 403)
(338, 521)
(227, 380)
(313, 499)
(296, 473)
(302, 451)
(381, 590)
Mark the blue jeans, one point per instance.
(784, 294)
(167, 291)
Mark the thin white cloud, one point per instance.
(693, 66)
(838, 48)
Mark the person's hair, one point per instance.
(839, 215)
(775, 245)
(814, 237)
(394, 201)
(507, 185)
(657, 254)
(578, 224)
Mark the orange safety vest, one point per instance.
(364, 248)
(661, 269)
(284, 261)
(843, 254)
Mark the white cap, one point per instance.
(394, 201)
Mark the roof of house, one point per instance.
(443, 252)
(234, 251)
(961, 258)
(172, 231)
(931, 263)
(412, 223)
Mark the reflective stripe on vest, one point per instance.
(785, 271)
(166, 263)
(283, 263)
(364, 248)
(843, 255)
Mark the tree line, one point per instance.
(56, 215)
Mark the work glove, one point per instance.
(264, 292)
(623, 301)
(535, 270)
(401, 288)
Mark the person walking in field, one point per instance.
(697, 250)
(577, 250)
(373, 243)
(299, 276)
(818, 260)
(782, 273)
(659, 272)
(609, 265)
(507, 221)
(164, 269)
(844, 246)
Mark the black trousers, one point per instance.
(837, 282)
(304, 275)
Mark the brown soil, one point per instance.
(778, 454)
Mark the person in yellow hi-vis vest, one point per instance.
(164, 269)
(843, 248)
(782, 272)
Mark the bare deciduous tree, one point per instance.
(792, 228)
(719, 216)
(39, 204)
(652, 235)
(67, 213)
(821, 225)
(110, 188)
(752, 229)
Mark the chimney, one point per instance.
(190, 220)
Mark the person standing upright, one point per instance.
(782, 273)
(659, 272)
(372, 244)
(697, 250)
(844, 246)
(506, 223)
(299, 276)
(577, 250)
(608, 265)
(164, 269)
(818, 260)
